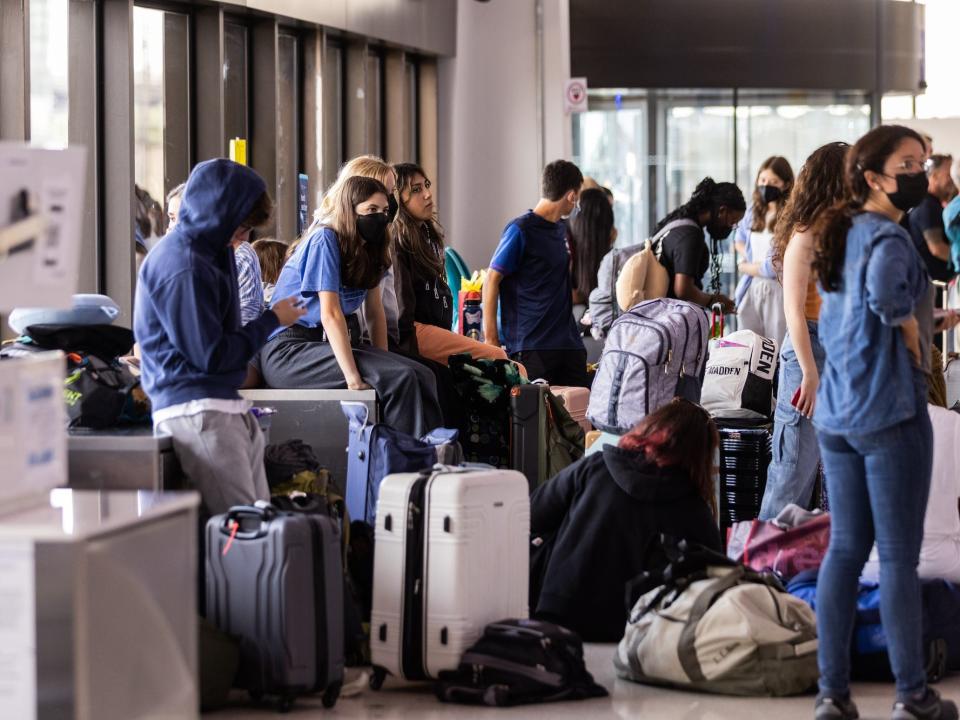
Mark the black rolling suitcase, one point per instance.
(528, 432)
(745, 453)
(275, 580)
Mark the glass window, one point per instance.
(794, 126)
(148, 118)
(374, 98)
(49, 62)
(235, 81)
(413, 100)
(333, 81)
(288, 131)
(610, 147)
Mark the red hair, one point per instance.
(681, 434)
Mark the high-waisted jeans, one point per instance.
(796, 456)
(878, 485)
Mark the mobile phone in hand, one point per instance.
(796, 398)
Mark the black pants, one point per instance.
(297, 358)
(451, 404)
(557, 367)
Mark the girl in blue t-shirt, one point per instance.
(338, 268)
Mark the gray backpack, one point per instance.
(654, 352)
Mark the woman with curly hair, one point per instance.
(796, 456)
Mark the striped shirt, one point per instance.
(248, 278)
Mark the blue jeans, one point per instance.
(878, 486)
(796, 456)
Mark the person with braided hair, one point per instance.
(715, 208)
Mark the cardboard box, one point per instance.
(33, 427)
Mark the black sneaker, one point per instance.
(829, 707)
(931, 707)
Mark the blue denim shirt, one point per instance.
(869, 380)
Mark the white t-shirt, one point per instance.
(760, 243)
(940, 552)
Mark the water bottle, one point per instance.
(473, 316)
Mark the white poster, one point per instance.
(41, 219)
(18, 634)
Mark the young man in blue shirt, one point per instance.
(529, 277)
(194, 352)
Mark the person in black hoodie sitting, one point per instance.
(599, 521)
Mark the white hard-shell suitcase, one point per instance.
(451, 557)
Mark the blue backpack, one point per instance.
(377, 450)
(869, 659)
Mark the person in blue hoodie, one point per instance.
(194, 352)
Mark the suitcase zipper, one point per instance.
(412, 648)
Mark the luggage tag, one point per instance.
(716, 321)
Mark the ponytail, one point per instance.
(708, 195)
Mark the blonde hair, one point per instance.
(361, 166)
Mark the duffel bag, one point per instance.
(720, 628)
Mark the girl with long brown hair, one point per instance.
(336, 270)
(759, 295)
(796, 456)
(424, 300)
(601, 518)
(874, 431)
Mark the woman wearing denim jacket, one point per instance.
(871, 416)
(796, 456)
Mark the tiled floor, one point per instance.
(627, 700)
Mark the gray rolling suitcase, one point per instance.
(275, 580)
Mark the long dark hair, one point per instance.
(361, 264)
(590, 232)
(869, 153)
(422, 240)
(781, 168)
(709, 195)
(819, 186)
(680, 434)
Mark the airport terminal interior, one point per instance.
(451, 358)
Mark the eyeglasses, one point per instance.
(910, 166)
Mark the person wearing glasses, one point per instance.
(424, 300)
(871, 416)
(334, 271)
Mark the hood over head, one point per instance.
(219, 196)
(642, 479)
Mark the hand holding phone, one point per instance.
(796, 398)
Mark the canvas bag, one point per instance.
(643, 276)
(654, 352)
(724, 629)
(739, 376)
(377, 450)
(786, 551)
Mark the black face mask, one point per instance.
(373, 228)
(718, 231)
(393, 207)
(911, 189)
(769, 193)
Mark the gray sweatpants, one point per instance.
(222, 456)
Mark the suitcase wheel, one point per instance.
(376, 680)
(937, 660)
(331, 694)
(285, 704)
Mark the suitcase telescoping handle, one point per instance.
(238, 512)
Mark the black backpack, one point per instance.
(517, 662)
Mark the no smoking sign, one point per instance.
(575, 95)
